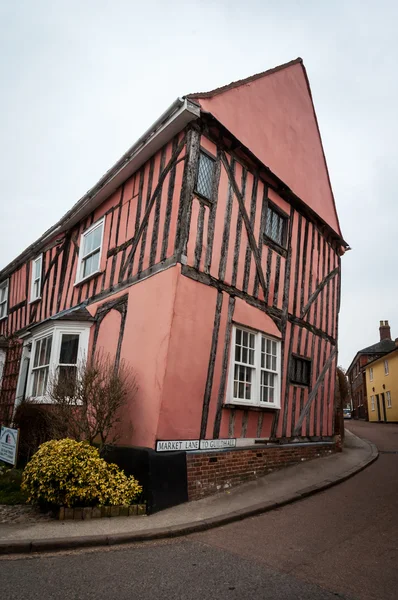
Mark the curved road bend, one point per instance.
(340, 543)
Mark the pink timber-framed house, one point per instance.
(208, 257)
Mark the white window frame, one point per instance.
(81, 329)
(370, 374)
(33, 298)
(256, 381)
(386, 368)
(372, 402)
(4, 285)
(388, 397)
(80, 262)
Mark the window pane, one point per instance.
(69, 348)
(88, 243)
(97, 233)
(238, 336)
(37, 352)
(245, 336)
(237, 353)
(67, 380)
(37, 268)
(40, 377)
(42, 354)
(275, 225)
(48, 349)
(244, 355)
(204, 183)
(36, 291)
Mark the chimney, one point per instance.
(385, 333)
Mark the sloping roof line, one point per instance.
(382, 347)
(371, 362)
(235, 84)
(241, 82)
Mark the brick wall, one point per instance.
(210, 472)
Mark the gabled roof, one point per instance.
(273, 115)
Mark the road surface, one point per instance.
(341, 543)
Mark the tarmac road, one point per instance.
(342, 543)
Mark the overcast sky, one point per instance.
(81, 80)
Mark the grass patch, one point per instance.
(10, 486)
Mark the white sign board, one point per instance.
(9, 445)
(173, 445)
(217, 444)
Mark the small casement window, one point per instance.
(276, 226)
(204, 182)
(90, 251)
(300, 370)
(254, 375)
(3, 299)
(386, 371)
(388, 394)
(35, 288)
(371, 374)
(41, 365)
(372, 402)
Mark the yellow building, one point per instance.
(382, 387)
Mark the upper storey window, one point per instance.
(90, 251)
(276, 226)
(3, 299)
(204, 182)
(35, 287)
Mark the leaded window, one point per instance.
(300, 370)
(275, 226)
(204, 182)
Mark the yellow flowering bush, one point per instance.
(69, 473)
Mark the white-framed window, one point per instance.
(386, 371)
(56, 351)
(388, 394)
(371, 373)
(3, 299)
(372, 402)
(254, 372)
(90, 251)
(35, 286)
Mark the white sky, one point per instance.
(82, 80)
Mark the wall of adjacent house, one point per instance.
(390, 383)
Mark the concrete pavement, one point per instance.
(275, 490)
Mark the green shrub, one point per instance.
(10, 486)
(69, 473)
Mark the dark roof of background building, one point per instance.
(379, 348)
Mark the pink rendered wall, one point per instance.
(187, 362)
(144, 348)
(274, 117)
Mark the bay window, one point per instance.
(254, 373)
(56, 353)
